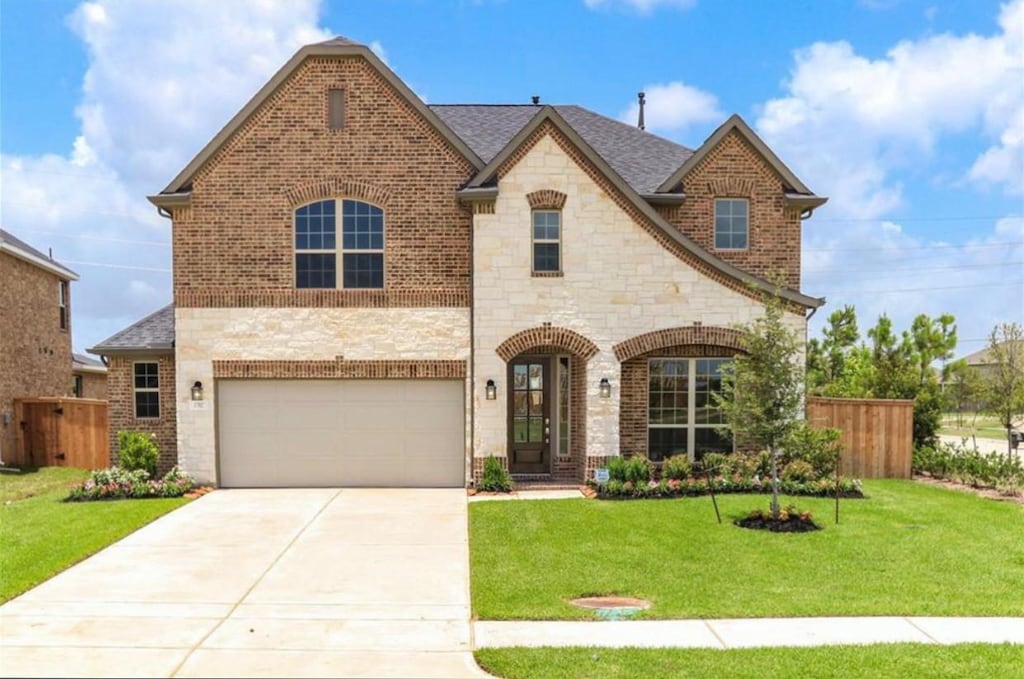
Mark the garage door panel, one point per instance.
(274, 433)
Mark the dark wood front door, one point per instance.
(529, 414)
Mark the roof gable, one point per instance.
(548, 115)
(735, 122)
(18, 248)
(336, 47)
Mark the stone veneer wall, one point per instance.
(618, 282)
(121, 406)
(266, 341)
(35, 353)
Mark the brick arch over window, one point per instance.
(561, 338)
(337, 187)
(546, 199)
(732, 186)
(671, 337)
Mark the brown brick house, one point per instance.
(88, 377)
(35, 329)
(372, 291)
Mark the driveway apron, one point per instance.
(304, 582)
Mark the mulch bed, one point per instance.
(981, 491)
(792, 524)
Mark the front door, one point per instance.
(529, 414)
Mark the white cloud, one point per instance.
(673, 107)
(162, 78)
(849, 121)
(1003, 164)
(378, 49)
(641, 6)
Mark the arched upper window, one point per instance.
(359, 256)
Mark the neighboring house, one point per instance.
(981, 362)
(372, 291)
(35, 329)
(89, 377)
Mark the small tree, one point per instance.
(763, 389)
(963, 386)
(1004, 383)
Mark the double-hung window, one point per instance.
(360, 257)
(147, 390)
(547, 241)
(732, 224)
(62, 300)
(681, 416)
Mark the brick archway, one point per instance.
(671, 337)
(567, 340)
(337, 187)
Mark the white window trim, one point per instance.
(62, 301)
(691, 401)
(714, 225)
(135, 389)
(545, 241)
(557, 415)
(340, 252)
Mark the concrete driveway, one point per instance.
(352, 583)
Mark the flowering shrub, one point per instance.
(121, 484)
(848, 488)
(969, 466)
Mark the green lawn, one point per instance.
(910, 549)
(972, 424)
(42, 536)
(870, 662)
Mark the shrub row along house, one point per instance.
(372, 291)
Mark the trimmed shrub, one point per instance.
(799, 471)
(639, 469)
(137, 451)
(495, 478)
(717, 463)
(617, 469)
(677, 467)
(967, 465)
(818, 447)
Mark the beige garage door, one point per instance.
(281, 433)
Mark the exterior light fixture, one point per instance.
(606, 388)
(197, 391)
(492, 390)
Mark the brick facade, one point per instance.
(94, 385)
(234, 246)
(121, 406)
(734, 169)
(546, 199)
(341, 369)
(35, 353)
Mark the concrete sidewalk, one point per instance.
(748, 632)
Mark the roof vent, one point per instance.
(640, 121)
(535, 99)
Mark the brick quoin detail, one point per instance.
(483, 207)
(546, 199)
(338, 187)
(782, 264)
(670, 337)
(341, 369)
(562, 338)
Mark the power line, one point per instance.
(958, 218)
(901, 272)
(919, 247)
(104, 265)
(97, 238)
(948, 287)
(141, 216)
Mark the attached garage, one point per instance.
(306, 433)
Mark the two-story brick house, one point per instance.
(372, 291)
(35, 330)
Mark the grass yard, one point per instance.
(972, 424)
(870, 662)
(42, 536)
(910, 549)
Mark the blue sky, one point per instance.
(909, 115)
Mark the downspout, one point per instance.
(470, 478)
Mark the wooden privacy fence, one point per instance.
(877, 438)
(61, 432)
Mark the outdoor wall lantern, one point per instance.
(492, 390)
(197, 391)
(606, 388)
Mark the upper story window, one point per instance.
(360, 257)
(547, 241)
(62, 300)
(732, 222)
(147, 390)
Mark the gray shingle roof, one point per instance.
(155, 331)
(21, 247)
(642, 159)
